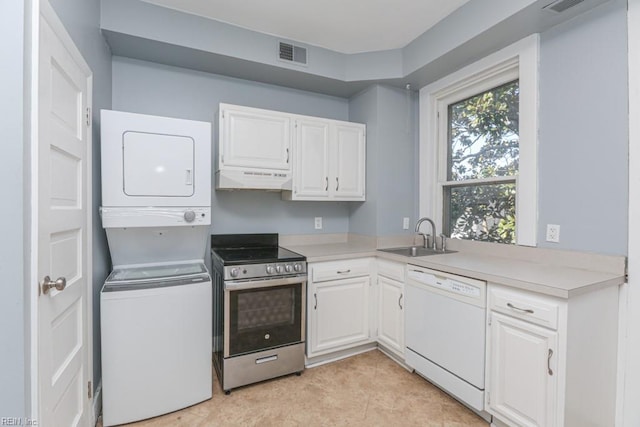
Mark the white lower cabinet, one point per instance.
(390, 316)
(552, 361)
(338, 301)
(523, 381)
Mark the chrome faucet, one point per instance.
(433, 231)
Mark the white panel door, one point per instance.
(256, 139)
(349, 180)
(63, 227)
(391, 314)
(157, 165)
(523, 377)
(339, 314)
(312, 159)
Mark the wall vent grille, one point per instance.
(291, 53)
(560, 6)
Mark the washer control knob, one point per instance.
(279, 269)
(288, 268)
(189, 216)
(270, 269)
(235, 271)
(297, 267)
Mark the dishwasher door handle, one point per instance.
(425, 278)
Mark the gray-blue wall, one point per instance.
(13, 354)
(583, 140)
(390, 116)
(145, 87)
(397, 197)
(81, 18)
(363, 108)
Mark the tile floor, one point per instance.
(365, 390)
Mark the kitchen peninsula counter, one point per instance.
(557, 273)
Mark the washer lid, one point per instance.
(155, 272)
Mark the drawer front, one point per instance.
(536, 309)
(392, 270)
(335, 270)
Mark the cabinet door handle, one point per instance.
(513, 307)
(337, 183)
(315, 296)
(326, 185)
(287, 155)
(549, 362)
(344, 271)
(400, 301)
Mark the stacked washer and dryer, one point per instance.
(156, 326)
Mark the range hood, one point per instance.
(252, 180)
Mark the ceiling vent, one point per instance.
(294, 54)
(560, 6)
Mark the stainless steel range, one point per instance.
(259, 295)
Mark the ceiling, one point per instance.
(351, 26)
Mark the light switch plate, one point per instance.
(318, 223)
(405, 223)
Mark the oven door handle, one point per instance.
(238, 285)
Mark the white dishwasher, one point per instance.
(445, 331)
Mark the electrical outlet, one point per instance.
(405, 223)
(318, 223)
(553, 233)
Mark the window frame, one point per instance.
(517, 61)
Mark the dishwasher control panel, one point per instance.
(463, 288)
(471, 290)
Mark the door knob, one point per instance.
(48, 284)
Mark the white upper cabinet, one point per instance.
(254, 149)
(329, 160)
(254, 138)
(349, 166)
(308, 158)
(312, 158)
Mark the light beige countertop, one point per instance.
(335, 251)
(547, 279)
(562, 274)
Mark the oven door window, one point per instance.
(264, 318)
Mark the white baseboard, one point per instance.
(338, 355)
(395, 357)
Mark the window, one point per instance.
(482, 163)
(478, 137)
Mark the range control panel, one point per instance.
(267, 270)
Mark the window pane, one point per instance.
(481, 212)
(483, 134)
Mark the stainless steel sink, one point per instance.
(415, 251)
